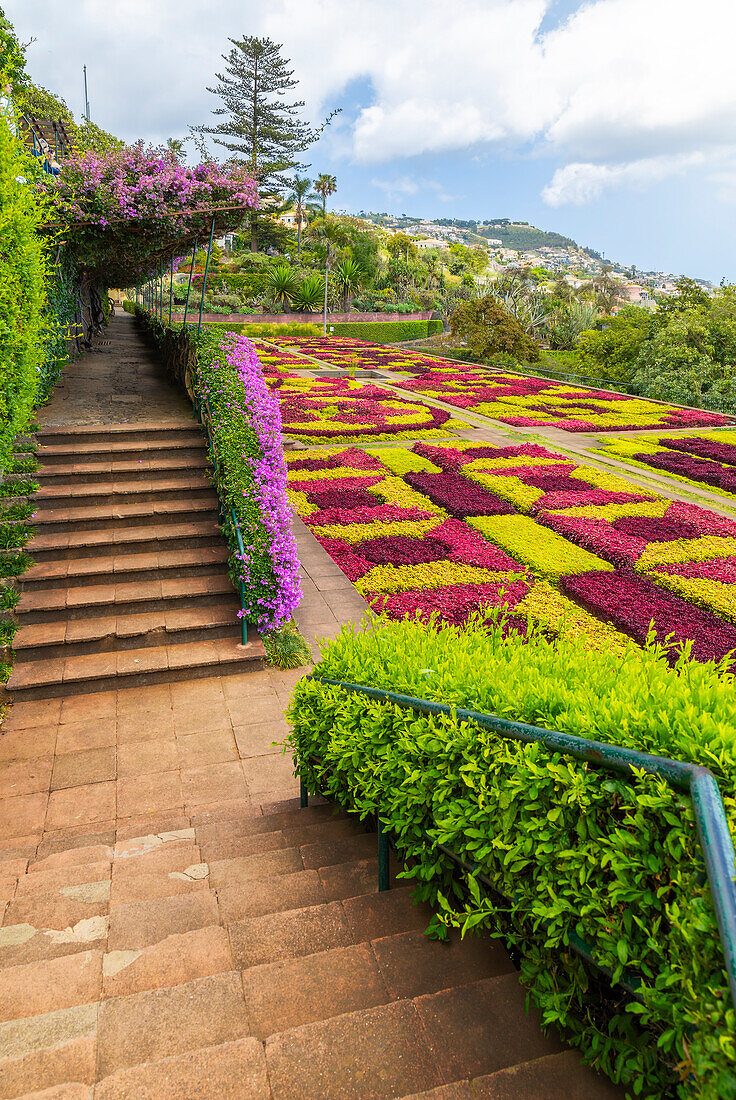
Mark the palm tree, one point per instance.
(325, 185)
(328, 232)
(308, 295)
(302, 199)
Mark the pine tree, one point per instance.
(257, 125)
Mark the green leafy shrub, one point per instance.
(286, 648)
(256, 330)
(381, 332)
(12, 565)
(247, 284)
(569, 849)
(22, 285)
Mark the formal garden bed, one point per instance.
(707, 460)
(537, 402)
(450, 527)
(325, 409)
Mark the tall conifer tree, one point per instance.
(258, 125)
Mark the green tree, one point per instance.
(489, 329)
(302, 198)
(690, 295)
(12, 58)
(325, 185)
(258, 124)
(612, 349)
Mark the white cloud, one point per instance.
(579, 183)
(409, 185)
(623, 92)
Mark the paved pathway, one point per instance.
(175, 926)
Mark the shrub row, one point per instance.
(22, 285)
(568, 848)
(386, 332)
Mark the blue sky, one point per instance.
(603, 120)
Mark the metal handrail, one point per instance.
(699, 782)
(230, 516)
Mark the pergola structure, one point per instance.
(49, 139)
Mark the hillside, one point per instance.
(523, 237)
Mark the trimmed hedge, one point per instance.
(384, 332)
(569, 848)
(248, 284)
(254, 329)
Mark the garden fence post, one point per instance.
(189, 284)
(171, 289)
(383, 858)
(206, 271)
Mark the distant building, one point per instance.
(430, 242)
(494, 242)
(290, 219)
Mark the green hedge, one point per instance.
(575, 848)
(248, 284)
(382, 332)
(23, 325)
(265, 330)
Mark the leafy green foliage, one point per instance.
(22, 285)
(85, 134)
(488, 328)
(384, 332)
(9, 597)
(611, 350)
(12, 565)
(286, 648)
(568, 848)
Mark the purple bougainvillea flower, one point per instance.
(631, 603)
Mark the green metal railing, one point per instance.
(227, 516)
(698, 782)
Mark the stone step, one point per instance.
(119, 469)
(78, 493)
(94, 672)
(92, 433)
(137, 539)
(554, 1077)
(63, 454)
(131, 567)
(92, 601)
(67, 638)
(232, 1069)
(293, 992)
(117, 516)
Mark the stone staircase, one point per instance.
(130, 583)
(246, 954)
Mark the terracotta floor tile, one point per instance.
(132, 700)
(145, 725)
(255, 710)
(75, 769)
(241, 870)
(50, 985)
(143, 757)
(213, 747)
(264, 774)
(293, 992)
(207, 689)
(260, 739)
(237, 846)
(153, 793)
(213, 783)
(27, 744)
(72, 857)
(143, 923)
(82, 708)
(55, 911)
(412, 964)
(146, 1027)
(173, 961)
(22, 815)
(229, 1071)
(81, 805)
(199, 717)
(25, 776)
(151, 659)
(79, 736)
(374, 915)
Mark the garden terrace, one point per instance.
(452, 527)
(707, 460)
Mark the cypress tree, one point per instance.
(258, 125)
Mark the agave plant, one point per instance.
(350, 277)
(309, 294)
(566, 324)
(282, 285)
